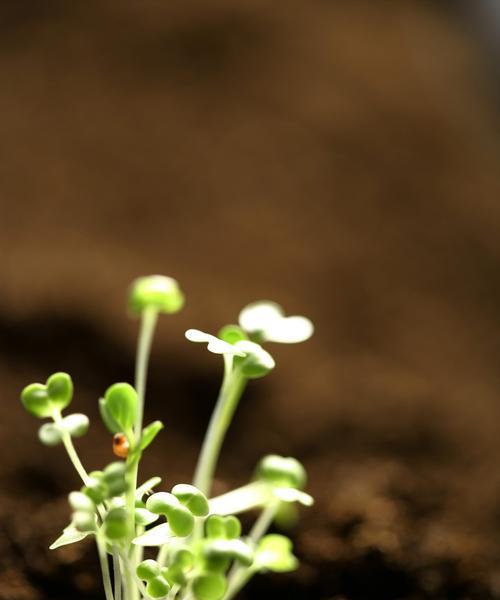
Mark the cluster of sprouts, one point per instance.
(194, 542)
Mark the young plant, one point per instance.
(201, 552)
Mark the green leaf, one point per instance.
(157, 587)
(209, 586)
(76, 424)
(147, 569)
(106, 417)
(121, 404)
(179, 517)
(281, 471)
(36, 401)
(147, 486)
(81, 502)
(155, 292)
(145, 517)
(84, 521)
(156, 536)
(274, 553)
(70, 535)
(115, 524)
(257, 362)
(234, 549)
(49, 434)
(192, 498)
(60, 389)
(149, 433)
(232, 334)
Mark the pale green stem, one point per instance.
(130, 573)
(117, 576)
(148, 323)
(264, 521)
(70, 449)
(103, 559)
(239, 576)
(161, 559)
(232, 387)
(173, 592)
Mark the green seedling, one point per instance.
(202, 552)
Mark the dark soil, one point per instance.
(339, 157)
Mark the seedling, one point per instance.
(200, 552)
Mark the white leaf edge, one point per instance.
(70, 535)
(214, 344)
(157, 536)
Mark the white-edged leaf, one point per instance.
(70, 535)
(157, 536)
(293, 495)
(214, 344)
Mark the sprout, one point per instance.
(156, 292)
(203, 552)
(42, 400)
(266, 322)
(214, 344)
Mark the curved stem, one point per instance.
(232, 387)
(70, 449)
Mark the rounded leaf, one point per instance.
(84, 521)
(121, 404)
(106, 417)
(60, 389)
(274, 553)
(180, 518)
(115, 524)
(81, 502)
(192, 498)
(282, 471)
(148, 569)
(36, 401)
(157, 292)
(256, 363)
(76, 424)
(209, 586)
(49, 434)
(157, 587)
(265, 322)
(232, 334)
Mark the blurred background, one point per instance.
(340, 157)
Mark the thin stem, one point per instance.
(263, 521)
(238, 581)
(148, 323)
(117, 576)
(232, 387)
(70, 449)
(239, 576)
(130, 573)
(103, 559)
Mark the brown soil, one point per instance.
(338, 157)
